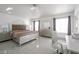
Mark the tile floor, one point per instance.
(41, 46)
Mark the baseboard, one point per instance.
(46, 36)
(5, 40)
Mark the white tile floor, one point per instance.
(40, 46)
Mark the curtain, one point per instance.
(69, 25)
(54, 24)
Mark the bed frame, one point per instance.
(23, 39)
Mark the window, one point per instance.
(62, 25)
(35, 25)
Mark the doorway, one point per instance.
(36, 25)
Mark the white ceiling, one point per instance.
(55, 9)
(24, 10)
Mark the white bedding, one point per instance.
(25, 36)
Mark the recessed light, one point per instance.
(9, 8)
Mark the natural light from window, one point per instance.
(62, 25)
(36, 25)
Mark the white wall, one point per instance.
(76, 14)
(6, 19)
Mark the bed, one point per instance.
(20, 35)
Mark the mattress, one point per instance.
(20, 33)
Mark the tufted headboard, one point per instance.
(18, 27)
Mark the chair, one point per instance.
(57, 44)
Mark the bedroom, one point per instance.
(42, 22)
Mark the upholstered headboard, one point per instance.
(18, 27)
